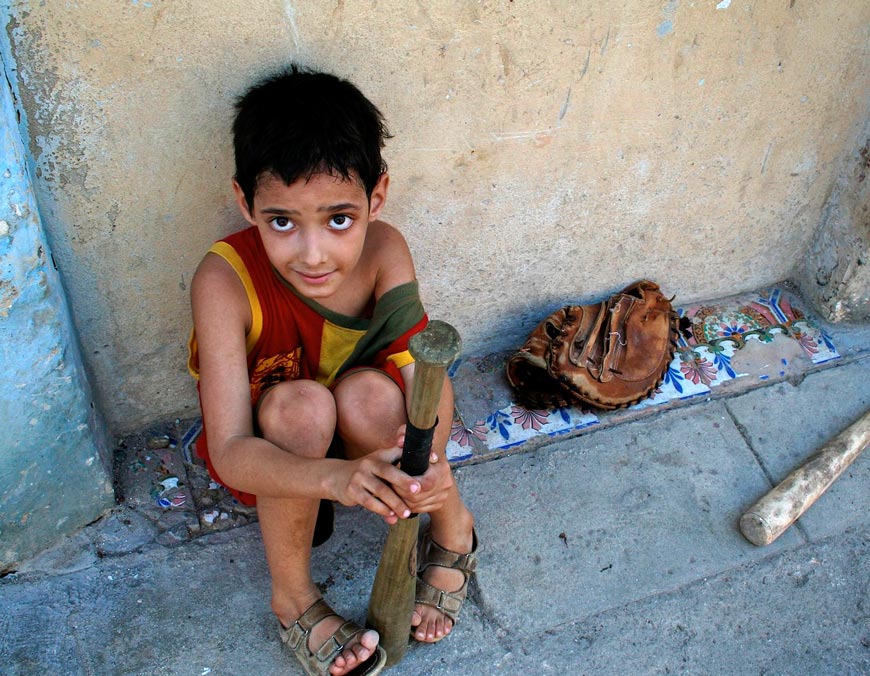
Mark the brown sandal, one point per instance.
(317, 663)
(433, 554)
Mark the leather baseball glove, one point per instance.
(608, 355)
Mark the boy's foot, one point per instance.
(324, 643)
(442, 585)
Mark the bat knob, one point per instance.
(437, 345)
(755, 529)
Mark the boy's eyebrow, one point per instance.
(279, 211)
(329, 208)
(343, 206)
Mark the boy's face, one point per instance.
(313, 230)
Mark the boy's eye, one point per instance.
(281, 224)
(340, 222)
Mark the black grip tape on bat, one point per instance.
(416, 449)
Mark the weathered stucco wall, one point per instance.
(55, 469)
(543, 151)
(835, 273)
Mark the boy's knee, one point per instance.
(369, 399)
(298, 415)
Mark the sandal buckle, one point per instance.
(329, 650)
(296, 635)
(467, 562)
(448, 604)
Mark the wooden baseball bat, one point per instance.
(768, 518)
(392, 599)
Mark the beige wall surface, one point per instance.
(544, 151)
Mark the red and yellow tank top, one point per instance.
(293, 337)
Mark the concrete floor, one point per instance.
(612, 549)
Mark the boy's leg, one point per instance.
(451, 527)
(299, 417)
(370, 408)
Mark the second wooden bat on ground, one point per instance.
(768, 518)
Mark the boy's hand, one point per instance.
(434, 487)
(374, 482)
(431, 489)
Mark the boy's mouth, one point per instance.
(312, 278)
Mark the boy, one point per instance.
(301, 325)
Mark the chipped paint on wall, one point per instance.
(669, 13)
(49, 426)
(290, 14)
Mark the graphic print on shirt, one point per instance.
(272, 370)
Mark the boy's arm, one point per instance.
(221, 315)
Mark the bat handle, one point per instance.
(433, 350)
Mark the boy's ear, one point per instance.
(243, 203)
(379, 196)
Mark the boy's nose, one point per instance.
(312, 252)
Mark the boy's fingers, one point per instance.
(371, 488)
(388, 455)
(381, 508)
(407, 488)
(429, 505)
(432, 478)
(385, 494)
(397, 478)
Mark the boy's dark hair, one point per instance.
(297, 123)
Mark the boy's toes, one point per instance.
(369, 641)
(442, 627)
(445, 626)
(343, 663)
(338, 666)
(430, 626)
(355, 654)
(418, 628)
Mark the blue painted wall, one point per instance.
(54, 457)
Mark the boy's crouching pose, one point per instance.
(301, 326)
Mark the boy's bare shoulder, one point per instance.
(390, 256)
(383, 234)
(213, 273)
(217, 290)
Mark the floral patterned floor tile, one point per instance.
(755, 336)
(713, 335)
(512, 426)
(755, 317)
(461, 444)
(678, 384)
